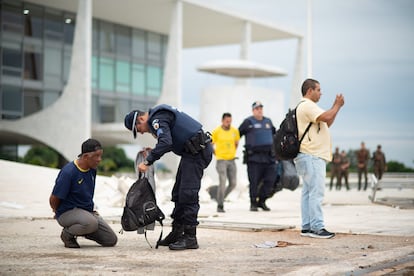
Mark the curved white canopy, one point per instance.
(241, 69)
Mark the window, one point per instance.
(123, 41)
(154, 80)
(67, 55)
(107, 114)
(11, 102)
(50, 97)
(138, 44)
(106, 37)
(154, 47)
(106, 74)
(123, 76)
(32, 101)
(123, 107)
(95, 109)
(33, 65)
(138, 79)
(12, 18)
(94, 72)
(12, 59)
(53, 61)
(129, 62)
(33, 21)
(53, 25)
(95, 34)
(35, 54)
(69, 28)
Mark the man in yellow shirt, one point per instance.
(225, 141)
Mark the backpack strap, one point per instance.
(307, 128)
(159, 239)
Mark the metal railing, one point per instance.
(391, 181)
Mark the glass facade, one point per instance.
(35, 44)
(35, 53)
(127, 70)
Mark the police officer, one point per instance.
(259, 156)
(177, 132)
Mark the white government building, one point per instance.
(72, 69)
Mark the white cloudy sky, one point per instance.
(361, 48)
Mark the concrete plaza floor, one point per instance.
(372, 239)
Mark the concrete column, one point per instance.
(296, 93)
(245, 45)
(309, 39)
(171, 89)
(245, 49)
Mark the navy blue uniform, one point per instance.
(173, 129)
(261, 163)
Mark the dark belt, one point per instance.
(198, 142)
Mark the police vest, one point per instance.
(183, 128)
(260, 133)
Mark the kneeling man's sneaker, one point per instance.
(69, 240)
(321, 234)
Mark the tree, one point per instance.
(107, 165)
(114, 159)
(394, 166)
(42, 156)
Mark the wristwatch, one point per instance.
(146, 163)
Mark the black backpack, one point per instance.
(286, 142)
(141, 207)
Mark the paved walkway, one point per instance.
(25, 190)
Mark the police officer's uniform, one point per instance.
(260, 158)
(177, 132)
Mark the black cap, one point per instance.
(90, 145)
(131, 120)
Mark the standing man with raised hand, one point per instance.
(315, 151)
(259, 156)
(72, 199)
(225, 140)
(177, 132)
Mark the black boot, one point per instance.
(172, 237)
(253, 205)
(263, 205)
(187, 241)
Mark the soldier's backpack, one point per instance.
(141, 208)
(286, 141)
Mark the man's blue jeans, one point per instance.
(312, 169)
